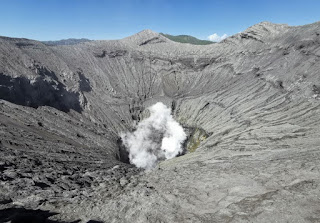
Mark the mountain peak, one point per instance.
(261, 31)
(265, 27)
(144, 37)
(148, 32)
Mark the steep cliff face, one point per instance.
(251, 103)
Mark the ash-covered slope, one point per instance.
(251, 102)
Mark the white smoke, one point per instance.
(156, 138)
(216, 38)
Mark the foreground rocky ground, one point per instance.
(251, 100)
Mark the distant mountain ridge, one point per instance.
(178, 38)
(70, 41)
(187, 39)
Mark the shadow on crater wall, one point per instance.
(22, 215)
(39, 92)
(84, 83)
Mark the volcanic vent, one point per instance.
(155, 138)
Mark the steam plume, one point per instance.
(157, 138)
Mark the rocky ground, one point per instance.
(251, 101)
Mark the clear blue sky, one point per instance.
(115, 19)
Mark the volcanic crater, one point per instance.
(249, 106)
